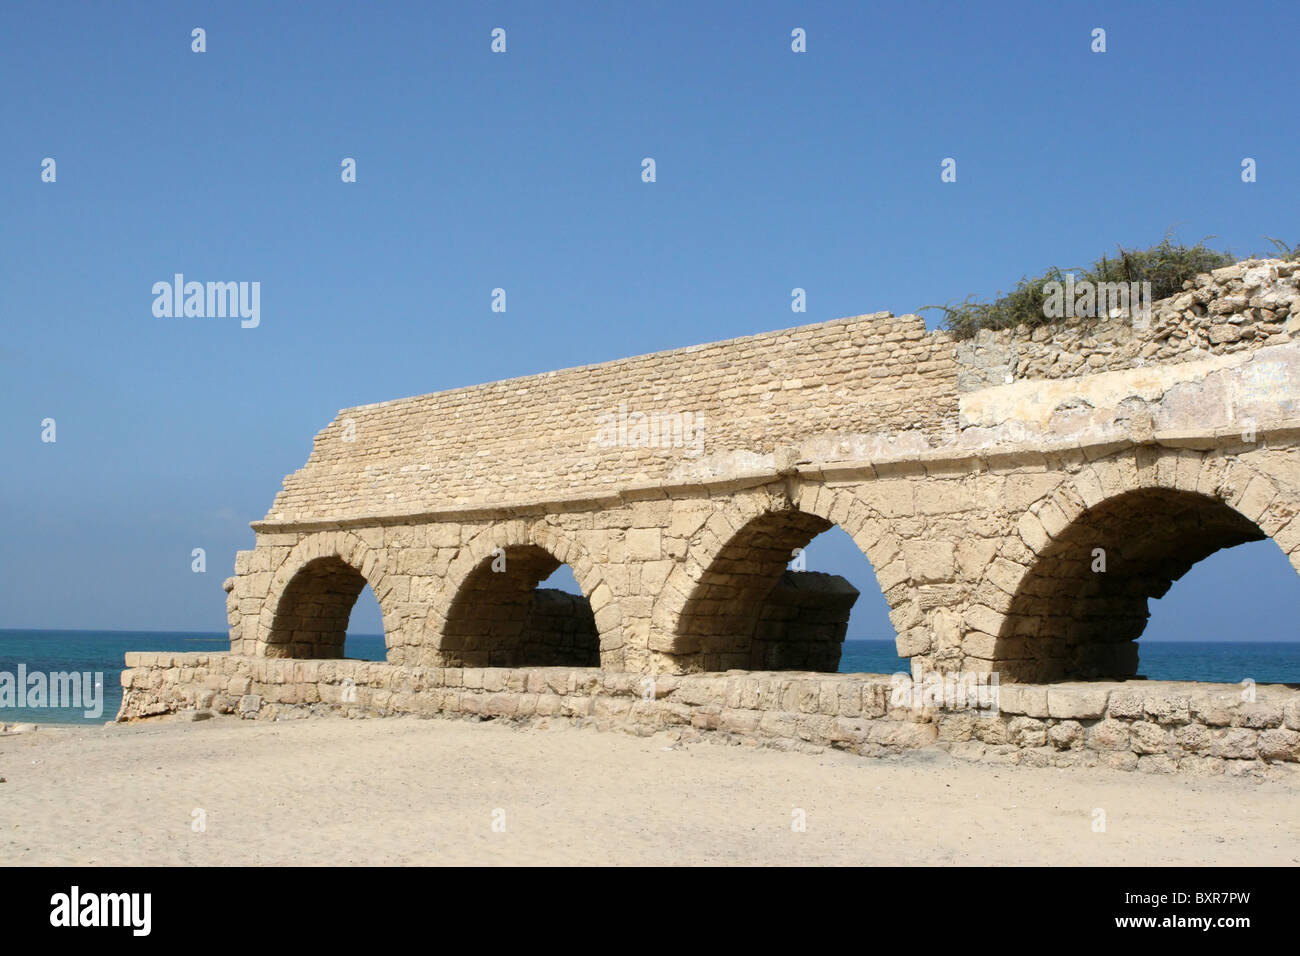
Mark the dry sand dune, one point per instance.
(406, 791)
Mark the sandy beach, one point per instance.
(409, 791)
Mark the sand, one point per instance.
(408, 791)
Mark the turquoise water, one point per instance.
(100, 654)
(95, 652)
(1227, 662)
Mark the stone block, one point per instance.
(1026, 699)
(1077, 703)
(929, 561)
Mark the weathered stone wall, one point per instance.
(560, 631)
(840, 390)
(1203, 729)
(981, 510)
(986, 563)
(540, 437)
(1234, 309)
(802, 623)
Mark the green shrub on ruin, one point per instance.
(1166, 265)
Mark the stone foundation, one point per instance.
(1157, 727)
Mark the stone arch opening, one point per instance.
(1080, 608)
(311, 617)
(870, 640)
(756, 607)
(501, 618)
(1239, 606)
(365, 638)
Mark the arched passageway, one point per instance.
(501, 618)
(1081, 606)
(757, 606)
(366, 640)
(311, 617)
(1235, 615)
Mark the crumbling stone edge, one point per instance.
(1147, 726)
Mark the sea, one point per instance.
(100, 654)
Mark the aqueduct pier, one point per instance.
(1020, 495)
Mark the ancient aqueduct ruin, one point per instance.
(981, 478)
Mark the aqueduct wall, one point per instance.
(1020, 496)
(981, 478)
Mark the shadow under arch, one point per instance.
(499, 617)
(1080, 607)
(311, 617)
(311, 597)
(749, 610)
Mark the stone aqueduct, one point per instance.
(983, 479)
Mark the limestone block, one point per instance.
(1279, 744)
(1235, 743)
(1027, 732)
(1077, 703)
(1025, 699)
(1065, 734)
(1292, 715)
(1110, 735)
(1032, 533)
(643, 544)
(1168, 710)
(929, 561)
(1148, 738)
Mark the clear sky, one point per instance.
(522, 171)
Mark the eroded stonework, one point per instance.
(1020, 496)
(1146, 726)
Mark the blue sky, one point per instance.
(522, 170)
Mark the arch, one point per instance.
(1072, 586)
(732, 603)
(312, 593)
(486, 616)
(500, 618)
